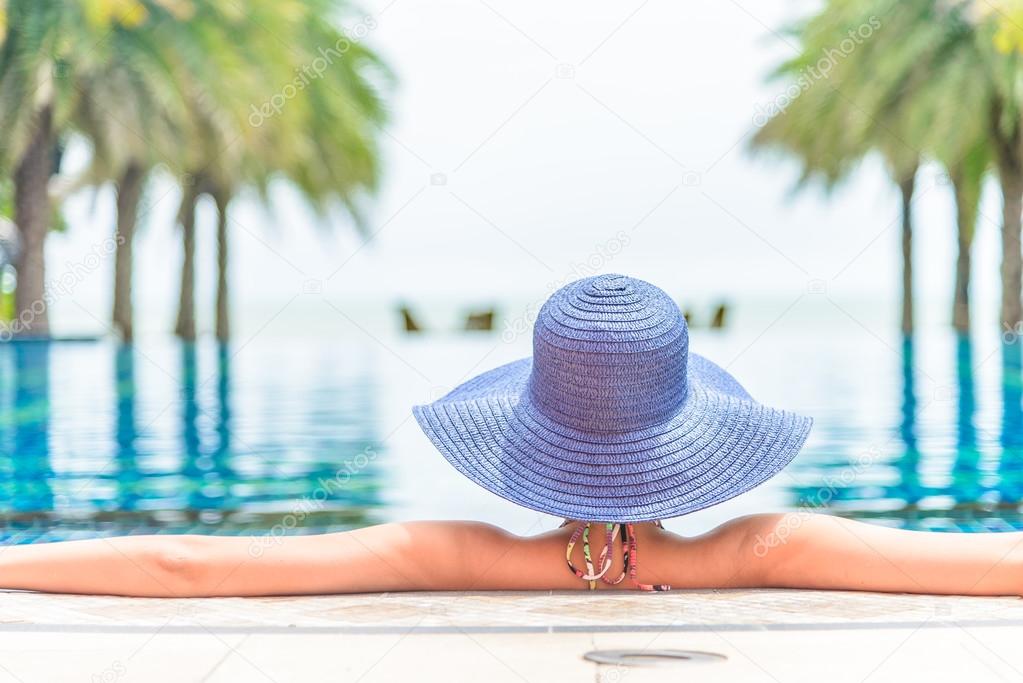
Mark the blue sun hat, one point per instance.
(612, 419)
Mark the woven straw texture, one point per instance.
(612, 419)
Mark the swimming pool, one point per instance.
(949, 456)
(309, 435)
(102, 438)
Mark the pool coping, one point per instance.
(474, 630)
(507, 612)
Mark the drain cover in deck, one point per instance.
(652, 657)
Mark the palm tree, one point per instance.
(967, 177)
(1000, 45)
(137, 77)
(180, 57)
(1006, 138)
(322, 140)
(30, 99)
(221, 45)
(919, 86)
(127, 109)
(324, 143)
(931, 82)
(192, 189)
(129, 194)
(70, 68)
(958, 140)
(830, 132)
(976, 120)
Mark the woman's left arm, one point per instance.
(386, 557)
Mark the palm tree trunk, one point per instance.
(223, 308)
(966, 186)
(961, 296)
(1009, 160)
(907, 185)
(129, 194)
(185, 327)
(1011, 181)
(32, 214)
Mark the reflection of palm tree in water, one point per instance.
(966, 477)
(840, 478)
(192, 467)
(1009, 465)
(208, 472)
(222, 452)
(909, 464)
(968, 485)
(28, 458)
(126, 429)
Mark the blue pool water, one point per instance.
(101, 438)
(98, 439)
(948, 458)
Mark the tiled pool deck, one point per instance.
(769, 635)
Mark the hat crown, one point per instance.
(609, 355)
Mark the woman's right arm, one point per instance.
(804, 550)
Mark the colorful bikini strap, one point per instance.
(630, 556)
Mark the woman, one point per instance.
(612, 421)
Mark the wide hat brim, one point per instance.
(721, 443)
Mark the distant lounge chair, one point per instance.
(410, 323)
(482, 321)
(720, 316)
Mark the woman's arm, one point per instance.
(796, 550)
(388, 557)
(803, 550)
